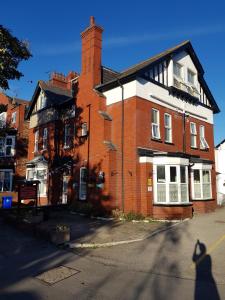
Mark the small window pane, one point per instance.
(191, 76)
(161, 175)
(206, 177)
(155, 116)
(173, 192)
(161, 193)
(167, 120)
(183, 174)
(196, 176)
(173, 174)
(177, 69)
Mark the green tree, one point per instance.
(12, 52)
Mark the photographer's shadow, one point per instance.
(205, 286)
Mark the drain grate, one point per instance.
(57, 274)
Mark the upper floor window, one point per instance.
(7, 146)
(177, 69)
(3, 117)
(45, 138)
(68, 136)
(14, 117)
(203, 142)
(36, 140)
(191, 76)
(155, 124)
(168, 128)
(193, 135)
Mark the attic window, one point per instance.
(177, 69)
(42, 99)
(191, 76)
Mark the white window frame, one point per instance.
(10, 171)
(201, 183)
(43, 182)
(13, 120)
(178, 76)
(168, 127)
(6, 146)
(36, 141)
(168, 184)
(42, 99)
(193, 133)
(83, 184)
(3, 117)
(45, 138)
(189, 71)
(203, 142)
(155, 125)
(68, 136)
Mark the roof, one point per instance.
(112, 78)
(146, 63)
(55, 95)
(20, 101)
(223, 141)
(108, 74)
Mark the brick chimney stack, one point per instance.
(91, 53)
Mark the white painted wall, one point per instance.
(220, 169)
(115, 95)
(161, 96)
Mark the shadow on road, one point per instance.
(205, 286)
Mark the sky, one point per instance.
(133, 31)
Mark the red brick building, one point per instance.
(14, 131)
(140, 140)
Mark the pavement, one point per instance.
(101, 232)
(169, 265)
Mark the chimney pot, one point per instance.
(92, 21)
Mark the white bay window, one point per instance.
(171, 184)
(201, 184)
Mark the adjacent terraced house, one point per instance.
(140, 140)
(13, 143)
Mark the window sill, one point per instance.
(169, 143)
(173, 204)
(156, 140)
(204, 149)
(206, 199)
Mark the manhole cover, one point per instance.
(220, 221)
(57, 274)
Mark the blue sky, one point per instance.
(133, 31)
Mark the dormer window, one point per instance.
(191, 77)
(177, 69)
(42, 100)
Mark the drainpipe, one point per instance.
(184, 131)
(122, 143)
(88, 152)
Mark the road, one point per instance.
(165, 266)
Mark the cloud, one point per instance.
(155, 37)
(57, 49)
(122, 41)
